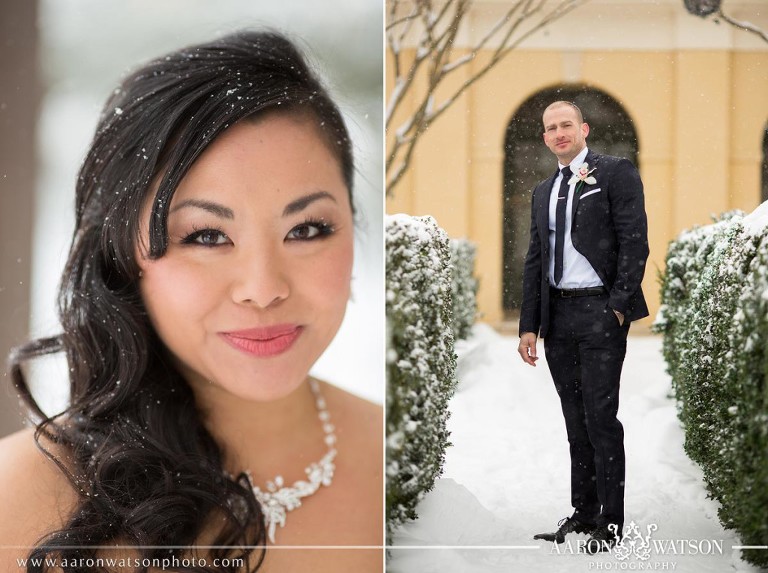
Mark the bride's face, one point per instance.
(255, 281)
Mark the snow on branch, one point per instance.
(747, 26)
(714, 8)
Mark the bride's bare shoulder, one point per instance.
(35, 496)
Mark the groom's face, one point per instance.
(564, 134)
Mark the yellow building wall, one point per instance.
(508, 86)
(701, 121)
(700, 116)
(749, 119)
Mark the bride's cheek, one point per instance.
(177, 293)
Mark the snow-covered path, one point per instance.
(507, 474)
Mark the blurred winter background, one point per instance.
(84, 48)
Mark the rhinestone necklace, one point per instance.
(279, 499)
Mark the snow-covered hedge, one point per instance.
(714, 318)
(421, 364)
(463, 287)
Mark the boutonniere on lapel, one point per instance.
(582, 176)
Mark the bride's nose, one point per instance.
(260, 278)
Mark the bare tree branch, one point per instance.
(433, 42)
(427, 49)
(747, 26)
(714, 8)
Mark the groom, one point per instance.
(581, 289)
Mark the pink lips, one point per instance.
(264, 341)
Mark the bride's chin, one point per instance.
(258, 389)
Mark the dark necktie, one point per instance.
(562, 201)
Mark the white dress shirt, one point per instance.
(577, 272)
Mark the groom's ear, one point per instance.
(585, 129)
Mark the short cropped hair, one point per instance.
(559, 103)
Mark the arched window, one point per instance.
(528, 161)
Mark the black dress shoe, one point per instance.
(566, 525)
(602, 539)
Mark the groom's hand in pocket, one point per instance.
(527, 348)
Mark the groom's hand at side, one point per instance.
(527, 348)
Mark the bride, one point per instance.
(209, 269)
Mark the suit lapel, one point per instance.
(543, 211)
(592, 159)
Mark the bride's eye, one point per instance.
(310, 230)
(207, 238)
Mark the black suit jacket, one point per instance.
(609, 228)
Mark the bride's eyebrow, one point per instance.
(303, 202)
(214, 208)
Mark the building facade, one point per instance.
(685, 98)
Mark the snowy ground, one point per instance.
(507, 474)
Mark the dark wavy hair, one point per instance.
(132, 441)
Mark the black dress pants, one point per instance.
(585, 349)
